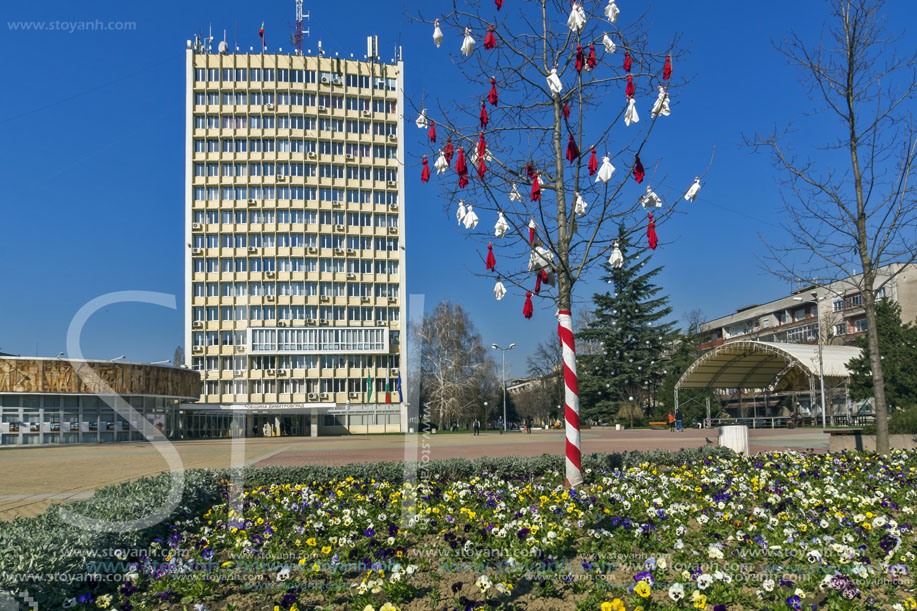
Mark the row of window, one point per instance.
(292, 240)
(288, 75)
(259, 98)
(296, 313)
(853, 301)
(213, 265)
(298, 386)
(377, 128)
(287, 145)
(302, 339)
(308, 194)
(325, 170)
(295, 361)
(290, 312)
(325, 289)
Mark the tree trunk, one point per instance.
(878, 376)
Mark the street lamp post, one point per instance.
(821, 362)
(503, 350)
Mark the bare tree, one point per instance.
(546, 363)
(455, 368)
(693, 319)
(540, 141)
(854, 207)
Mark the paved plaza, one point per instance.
(35, 478)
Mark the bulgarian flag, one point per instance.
(369, 388)
(388, 391)
(261, 34)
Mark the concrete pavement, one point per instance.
(34, 478)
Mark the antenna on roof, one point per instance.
(298, 32)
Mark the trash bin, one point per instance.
(735, 437)
(617, 427)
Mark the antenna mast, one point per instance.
(297, 36)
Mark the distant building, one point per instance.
(295, 225)
(59, 401)
(793, 318)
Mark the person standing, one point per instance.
(678, 425)
(671, 419)
(476, 426)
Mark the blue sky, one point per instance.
(93, 169)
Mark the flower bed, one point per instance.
(701, 530)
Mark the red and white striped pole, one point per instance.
(574, 473)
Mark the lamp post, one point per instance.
(821, 362)
(503, 350)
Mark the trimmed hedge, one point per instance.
(36, 552)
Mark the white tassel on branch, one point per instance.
(692, 191)
(579, 204)
(577, 20)
(650, 199)
(541, 258)
(441, 165)
(501, 226)
(605, 172)
(514, 195)
(437, 34)
(612, 11)
(471, 219)
(631, 116)
(422, 122)
(499, 290)
(661, 107)
(554, 82)
(616, 259)
(468, 43)
(609, 44)
(461, 212)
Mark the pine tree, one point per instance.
(627, 326)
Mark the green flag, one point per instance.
(369, 388)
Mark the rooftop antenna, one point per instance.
(298, 32)
(209, 37)
(223, 47)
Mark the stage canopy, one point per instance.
(760, 365)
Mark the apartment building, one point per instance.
(294, 215)
(835, 310)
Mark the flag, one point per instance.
(400, 395)
(369, 388)
(388, 391)
(261, 34)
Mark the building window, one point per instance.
(840, 329)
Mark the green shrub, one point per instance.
(902, 422)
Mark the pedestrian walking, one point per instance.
(678, 425)
(671, 419)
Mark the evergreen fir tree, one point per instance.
(629, 337)
(898, 345)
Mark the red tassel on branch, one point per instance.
(448, 150)
(529, 170)
(425, 172)
(527, 309)
(483, 115)
(593, 164)
(432, 133)
(538, 284)
(499, 4)
(566, 111)
(491, 261)
(532, 232)
(482, 146)
(590, 60)
(461, 167)
(667, 69)
(638, 169)
(492, 96)
(482, 167)
(628, 62)
(580, 59)
(572, 150)
(630, 90)
(651, 233)
(536, 189)
(489, 41)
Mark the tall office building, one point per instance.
(294, 212)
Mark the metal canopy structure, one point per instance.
(761, 365)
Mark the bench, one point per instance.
(659, 426)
